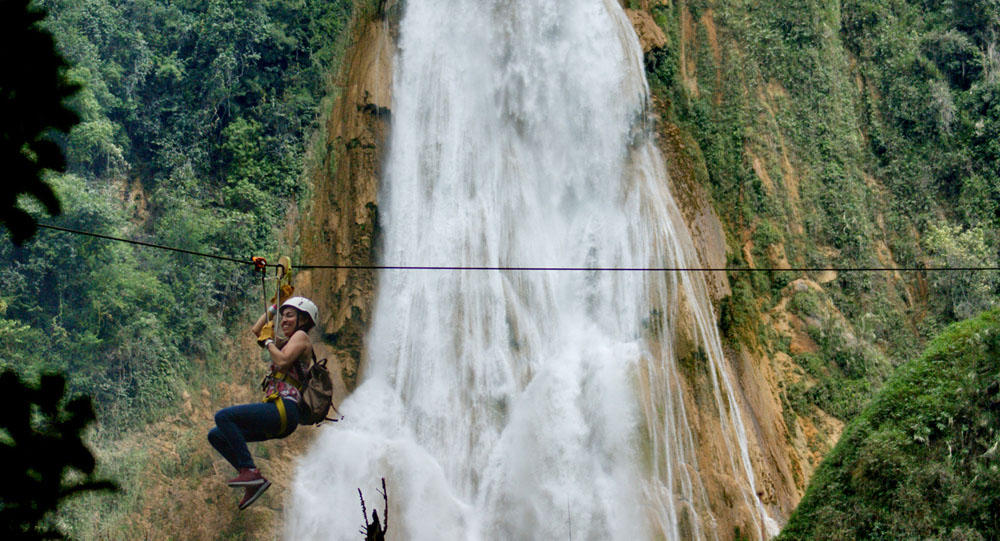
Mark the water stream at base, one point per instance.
(527, 404)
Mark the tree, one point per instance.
(962, 294)
(44, 438)
(32, 95)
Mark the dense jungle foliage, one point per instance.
(33, 96)
(877, 124)
(194, 118)
(922, 461)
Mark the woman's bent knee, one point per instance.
(223, 416)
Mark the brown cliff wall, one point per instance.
(783, 456)
(339, 225)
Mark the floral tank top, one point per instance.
(282, 388)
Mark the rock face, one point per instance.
(651, 36)
(782, 460)
(779, 454)
(340, 224)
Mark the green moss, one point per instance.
(806, 303)
(921, 461)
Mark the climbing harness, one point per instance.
(273, 397)
(287, 378)
(276, 398)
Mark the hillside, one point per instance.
(921, 461)
(832, 135)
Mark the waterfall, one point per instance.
(528, 404)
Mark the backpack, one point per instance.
(317, 395)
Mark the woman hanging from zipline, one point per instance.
(278, 415)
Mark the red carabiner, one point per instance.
(260, 263)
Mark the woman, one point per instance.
(278, 415)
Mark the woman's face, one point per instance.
(289, 320)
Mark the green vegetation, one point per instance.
(194, 117)
(964, 294)
(922, 460)
(850, 134)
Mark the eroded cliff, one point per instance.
(339, 224)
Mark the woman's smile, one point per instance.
(288, 321)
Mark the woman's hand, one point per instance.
(259, 325)
(266, 333)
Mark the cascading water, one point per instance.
(527, 404)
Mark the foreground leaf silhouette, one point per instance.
(32, 94)
(40, 441)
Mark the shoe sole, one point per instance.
(244, 484)
(248, 503)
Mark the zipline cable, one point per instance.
(147, 244)
(648, 269)
(499, 268)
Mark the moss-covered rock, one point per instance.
(922, 460)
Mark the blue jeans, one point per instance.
(236, 425)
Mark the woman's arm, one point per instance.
(292, 350)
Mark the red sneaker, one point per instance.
(248, 477)
(252, 493)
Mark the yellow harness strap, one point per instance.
(287, 378)
(273, 397)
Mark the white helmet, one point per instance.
(304, 305)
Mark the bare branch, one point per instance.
(364, 512)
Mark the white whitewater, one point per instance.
(525, 404)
